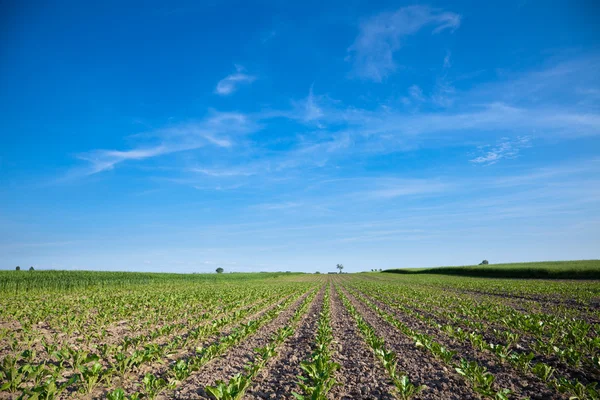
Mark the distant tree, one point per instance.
(18, 268)
(340, 267)
(484, 262)
(317, 272)
(31, 268)
(380, 270)
(220, 270)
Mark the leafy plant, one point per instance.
(405, 389)
(232, 390)
(481, 379)
(50, 388)
(153, 386)
(543, 371)
(117, 394)
(90, 376)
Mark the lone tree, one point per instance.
(18, 268)
(219, 270)
(31, 268)
(484, 262)
(340, 267)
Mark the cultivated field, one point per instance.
(274, 336)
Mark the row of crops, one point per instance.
(302, 336)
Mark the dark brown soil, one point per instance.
(506, 377)
(361, 376)
(278, 379)
(132, 381)
(524, 346)
(441, 381)
(233, 362)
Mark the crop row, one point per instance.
(236, 387)
(506, 354)
(71, 367)
(318, 378)
(573, 341)
(404, 388)
(481, 380)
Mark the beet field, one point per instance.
(97, 335)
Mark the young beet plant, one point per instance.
(481, 380)
(238, 384)
(10, 374)
(233, 390)
(90, 376)
(119, 394)
(318, 372)
(50, 388)
(153, 386)
(404, 388)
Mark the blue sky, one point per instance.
(182, 136)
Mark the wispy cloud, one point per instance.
(230, 83)
(447, 62)
(101, 160)
(222, 173)
(390, 188)
(286, 205)
(381, 36)
(444, 92)
(545, 175)
(217, 130)
(415, 96)
(561, 83)
(313, 111)
(492, 118)
(308, 110)
(506, 149)
(345, 132)
(269, 35)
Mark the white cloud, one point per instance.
(381, 36)
(230, 83)
(346, 132)
(313, 111)
(505, 149)
(393, 188)
(547, 174)
(216, 130)
(447, 62)
(415, 96)
(268, 36)
(286, 205)
(487, 118)
(416, 93)
(221, 173)
(443, 95)
(558, 84)
(102, 160)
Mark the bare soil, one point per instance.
(505, 376)
(233, 361)
(278, 379)
(441, 381)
